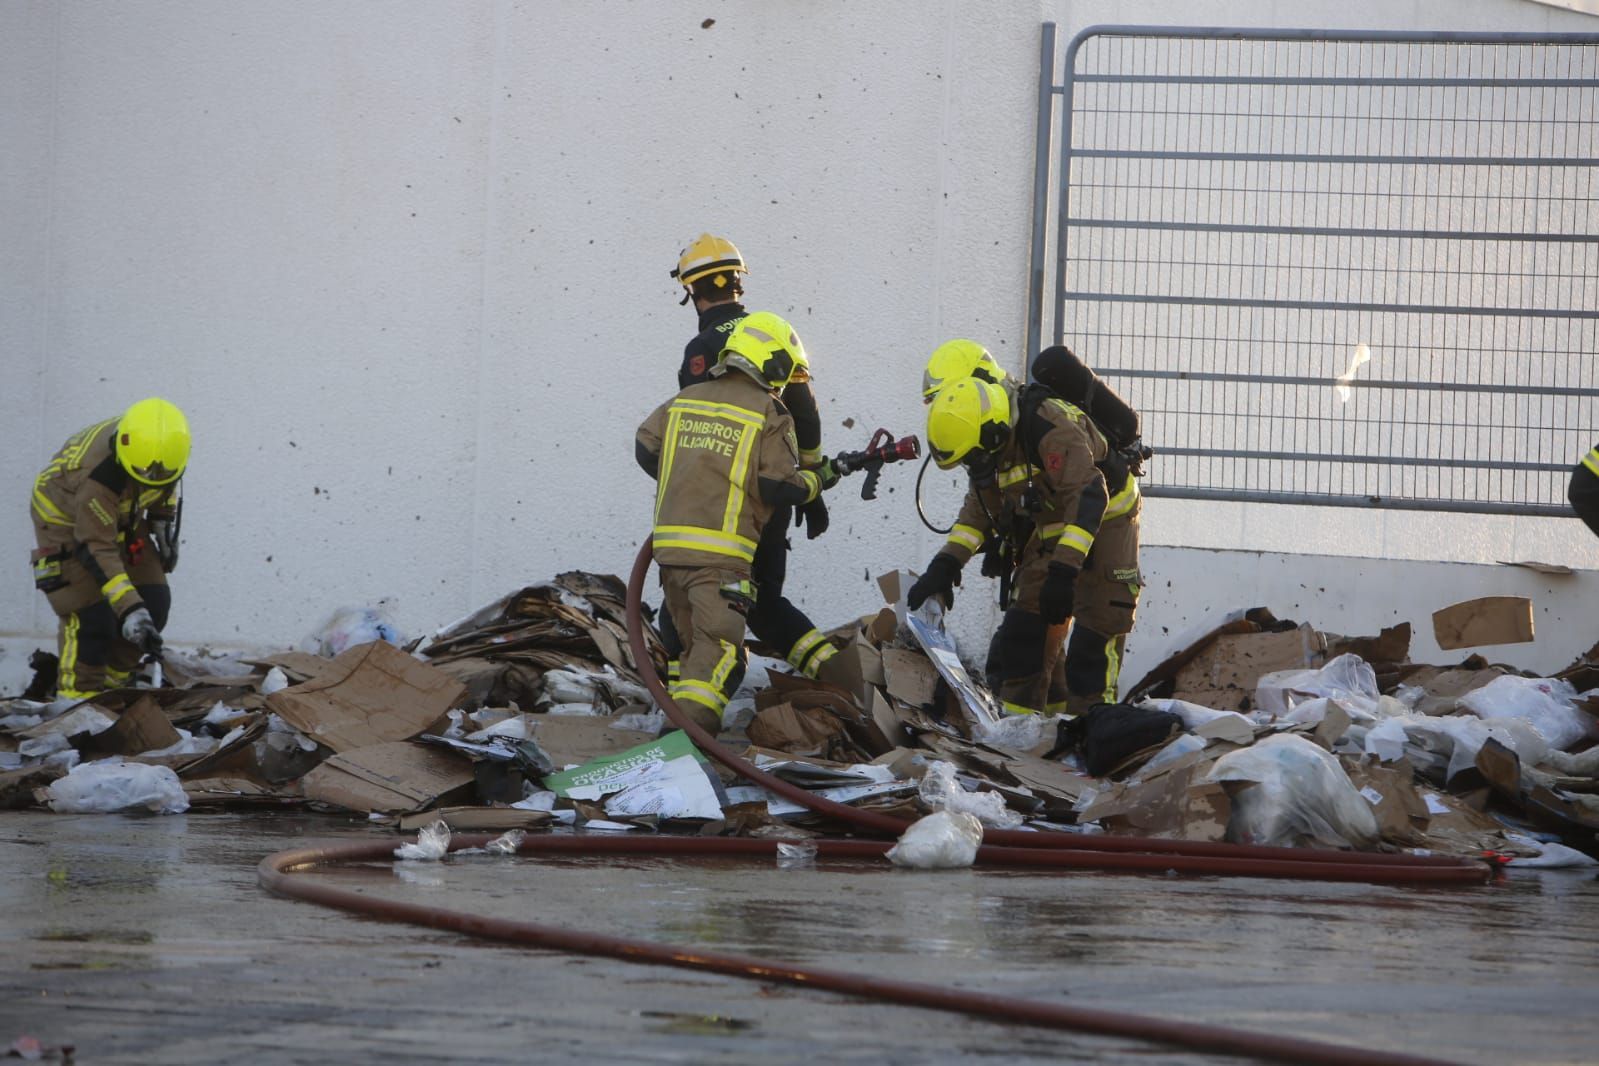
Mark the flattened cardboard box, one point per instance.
(369, 695)
(1224, 675)
(393, 778)
(571, 739)
(1483, 621)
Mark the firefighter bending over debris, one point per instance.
(1036, 497)
(1105, 599)
(725, 459)
(1584, 490)
(104, 515)
(709, 270)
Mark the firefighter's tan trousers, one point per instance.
(712, 631)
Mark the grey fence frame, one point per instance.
(1514, 486)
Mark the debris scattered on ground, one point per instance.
(532, 715)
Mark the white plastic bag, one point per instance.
(1458, 737)
(432, 841)
(944, 840)
(1348, 678)
(1176, 749)
(506, 843)
(1194, 715)
(1301, 793)
(1547, 703)
(113, 785)
(1386, 740)
(798, 855)
(351, 626)
(942, 791)
(651, 722)
(1551, 856)
(1015, 732)
(570, 690)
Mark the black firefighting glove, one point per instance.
(828, 472)
(813, 516)
(139, 629)
(1059, 594)
(942, 575)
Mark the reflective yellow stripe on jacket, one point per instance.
(725, 540)
(1123, 502)
(1591, 461)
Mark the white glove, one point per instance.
(139, 629)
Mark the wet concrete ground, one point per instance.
(146, 939)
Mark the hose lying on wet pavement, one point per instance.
(1002, 848)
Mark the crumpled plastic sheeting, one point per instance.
(348, 627)
(569, 690)
(432, 841)
(1346, 678)
(942, 791)
(796, 856)
(504, 844)
(1300, 792)
(1016, 732)
(113, 785)
(1192, 714)
(1173, 751)
(944, 840)
(1546, 703)
(1458, 738)
(1551, 855)
(653, 722)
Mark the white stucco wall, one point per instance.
(405, 266)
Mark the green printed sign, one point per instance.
(673, 745)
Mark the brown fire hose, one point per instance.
(1183, 856)
(276, 874)
(1001, 848)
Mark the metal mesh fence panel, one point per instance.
(1358, 270)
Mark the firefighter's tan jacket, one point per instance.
(712, 446)
(88, 510)
(1055, 447)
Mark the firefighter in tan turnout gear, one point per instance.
(1106, 598)
(724, 457)
(104, 515)
(1036, 496)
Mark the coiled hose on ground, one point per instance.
(1003, 848)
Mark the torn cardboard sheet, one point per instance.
(369, 695)
(911, 678)
(571, 740)
(142, 727)
(1174, 804)
(394, 778)
(1224, 675)
(1486, 620)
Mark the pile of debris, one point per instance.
(532, 712)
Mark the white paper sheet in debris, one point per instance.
(670, 788)
(927, 626)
